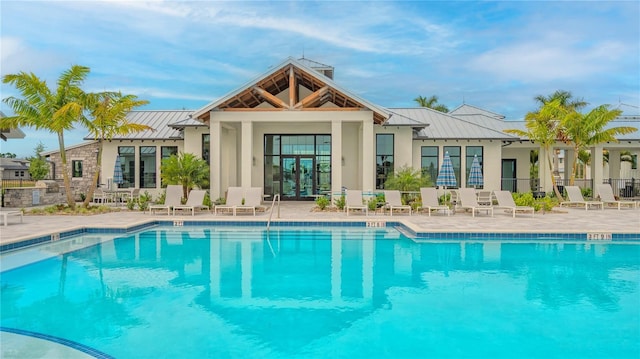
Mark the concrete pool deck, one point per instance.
(563, 220)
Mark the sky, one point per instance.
(184, 54)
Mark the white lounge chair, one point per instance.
(6, 214)
(234, 198)
(575, 198)
(252, 201)
(467, 200)
(605, 192)
(194, 201)
(505, 201)
(429, 197)
(353, 201)
(395, 202)
(172, 198)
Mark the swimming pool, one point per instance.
(216, 291)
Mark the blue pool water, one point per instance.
(212, 292)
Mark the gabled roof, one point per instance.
(287, 76)
(442, 126)
(167, 125)
(6, 133)
(466, 109)
(13, 163)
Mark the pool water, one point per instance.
(319, 292)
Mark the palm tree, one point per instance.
(108, 111)
(543, 127)
(584, 130)
(565, 99)
(185, 169)
(431, 102)
(43, 108)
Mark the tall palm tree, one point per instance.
(584, 130)
(431, 102)
(565, 99)
(108, 112)
(54, 110)
(543, 127)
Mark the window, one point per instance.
(128, 161)
(471, 152)
(454, 154)
(168, 151)
(76, 169)
(429, 161)
(147, 167)
(634, 162)
(384, 158)
(206, 147)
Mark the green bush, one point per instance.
(322, 202)
(143, 201)
(340, 202)
(586, 192)
(131, 204)
(376, 202)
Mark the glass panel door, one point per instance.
(509, 182)
(297, 173)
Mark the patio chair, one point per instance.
(485, 198)
(395, 202)
(100, 196)
(605, 192)
(252, 201)
(505, 201)
(467, 200)
(234, 198)
(6, 214)
(194, 201)
(173, 197)
(353, 201)
(429, 197)
(575, 198)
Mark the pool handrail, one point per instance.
(273, 202)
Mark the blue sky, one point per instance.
(184, 54)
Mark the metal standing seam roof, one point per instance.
(310, 71)
(466, 109)
(444, 126)
(161, 121)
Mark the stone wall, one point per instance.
(88, 154)
(45, 193)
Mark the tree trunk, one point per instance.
(65, 171)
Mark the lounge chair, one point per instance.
(605, 192)
(6, 214)
(172, 198)
(234, 198)
(429, 197)
(575, 198)
(194, 201)
(252, 201)
(353, 201)
(467, 200)
(395, 202)
(505, 201)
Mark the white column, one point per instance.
(336, 156)
(614, 164)
(597, 167)
(246, 154)
(215, 157)
(543, 171)
(368, 155)
(568, 162)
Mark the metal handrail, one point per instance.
(273, 202)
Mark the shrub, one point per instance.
(131, 204)
(322, 202)
(340, 202)
(143, 201)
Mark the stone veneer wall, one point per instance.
(45, 193)
(88, 154)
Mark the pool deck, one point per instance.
(562, 220)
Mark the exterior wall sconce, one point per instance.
(254, 160)
(343, 160)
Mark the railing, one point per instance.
(624, 187)
(273, 203)
(6, 183)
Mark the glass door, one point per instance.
(509, 181)
(297, 173)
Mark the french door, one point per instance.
(297, 173)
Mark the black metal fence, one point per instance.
(624, 187)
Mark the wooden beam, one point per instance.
(292, 87)
(270, 98)
(337, 109)
(305, 102)
(255, 109)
